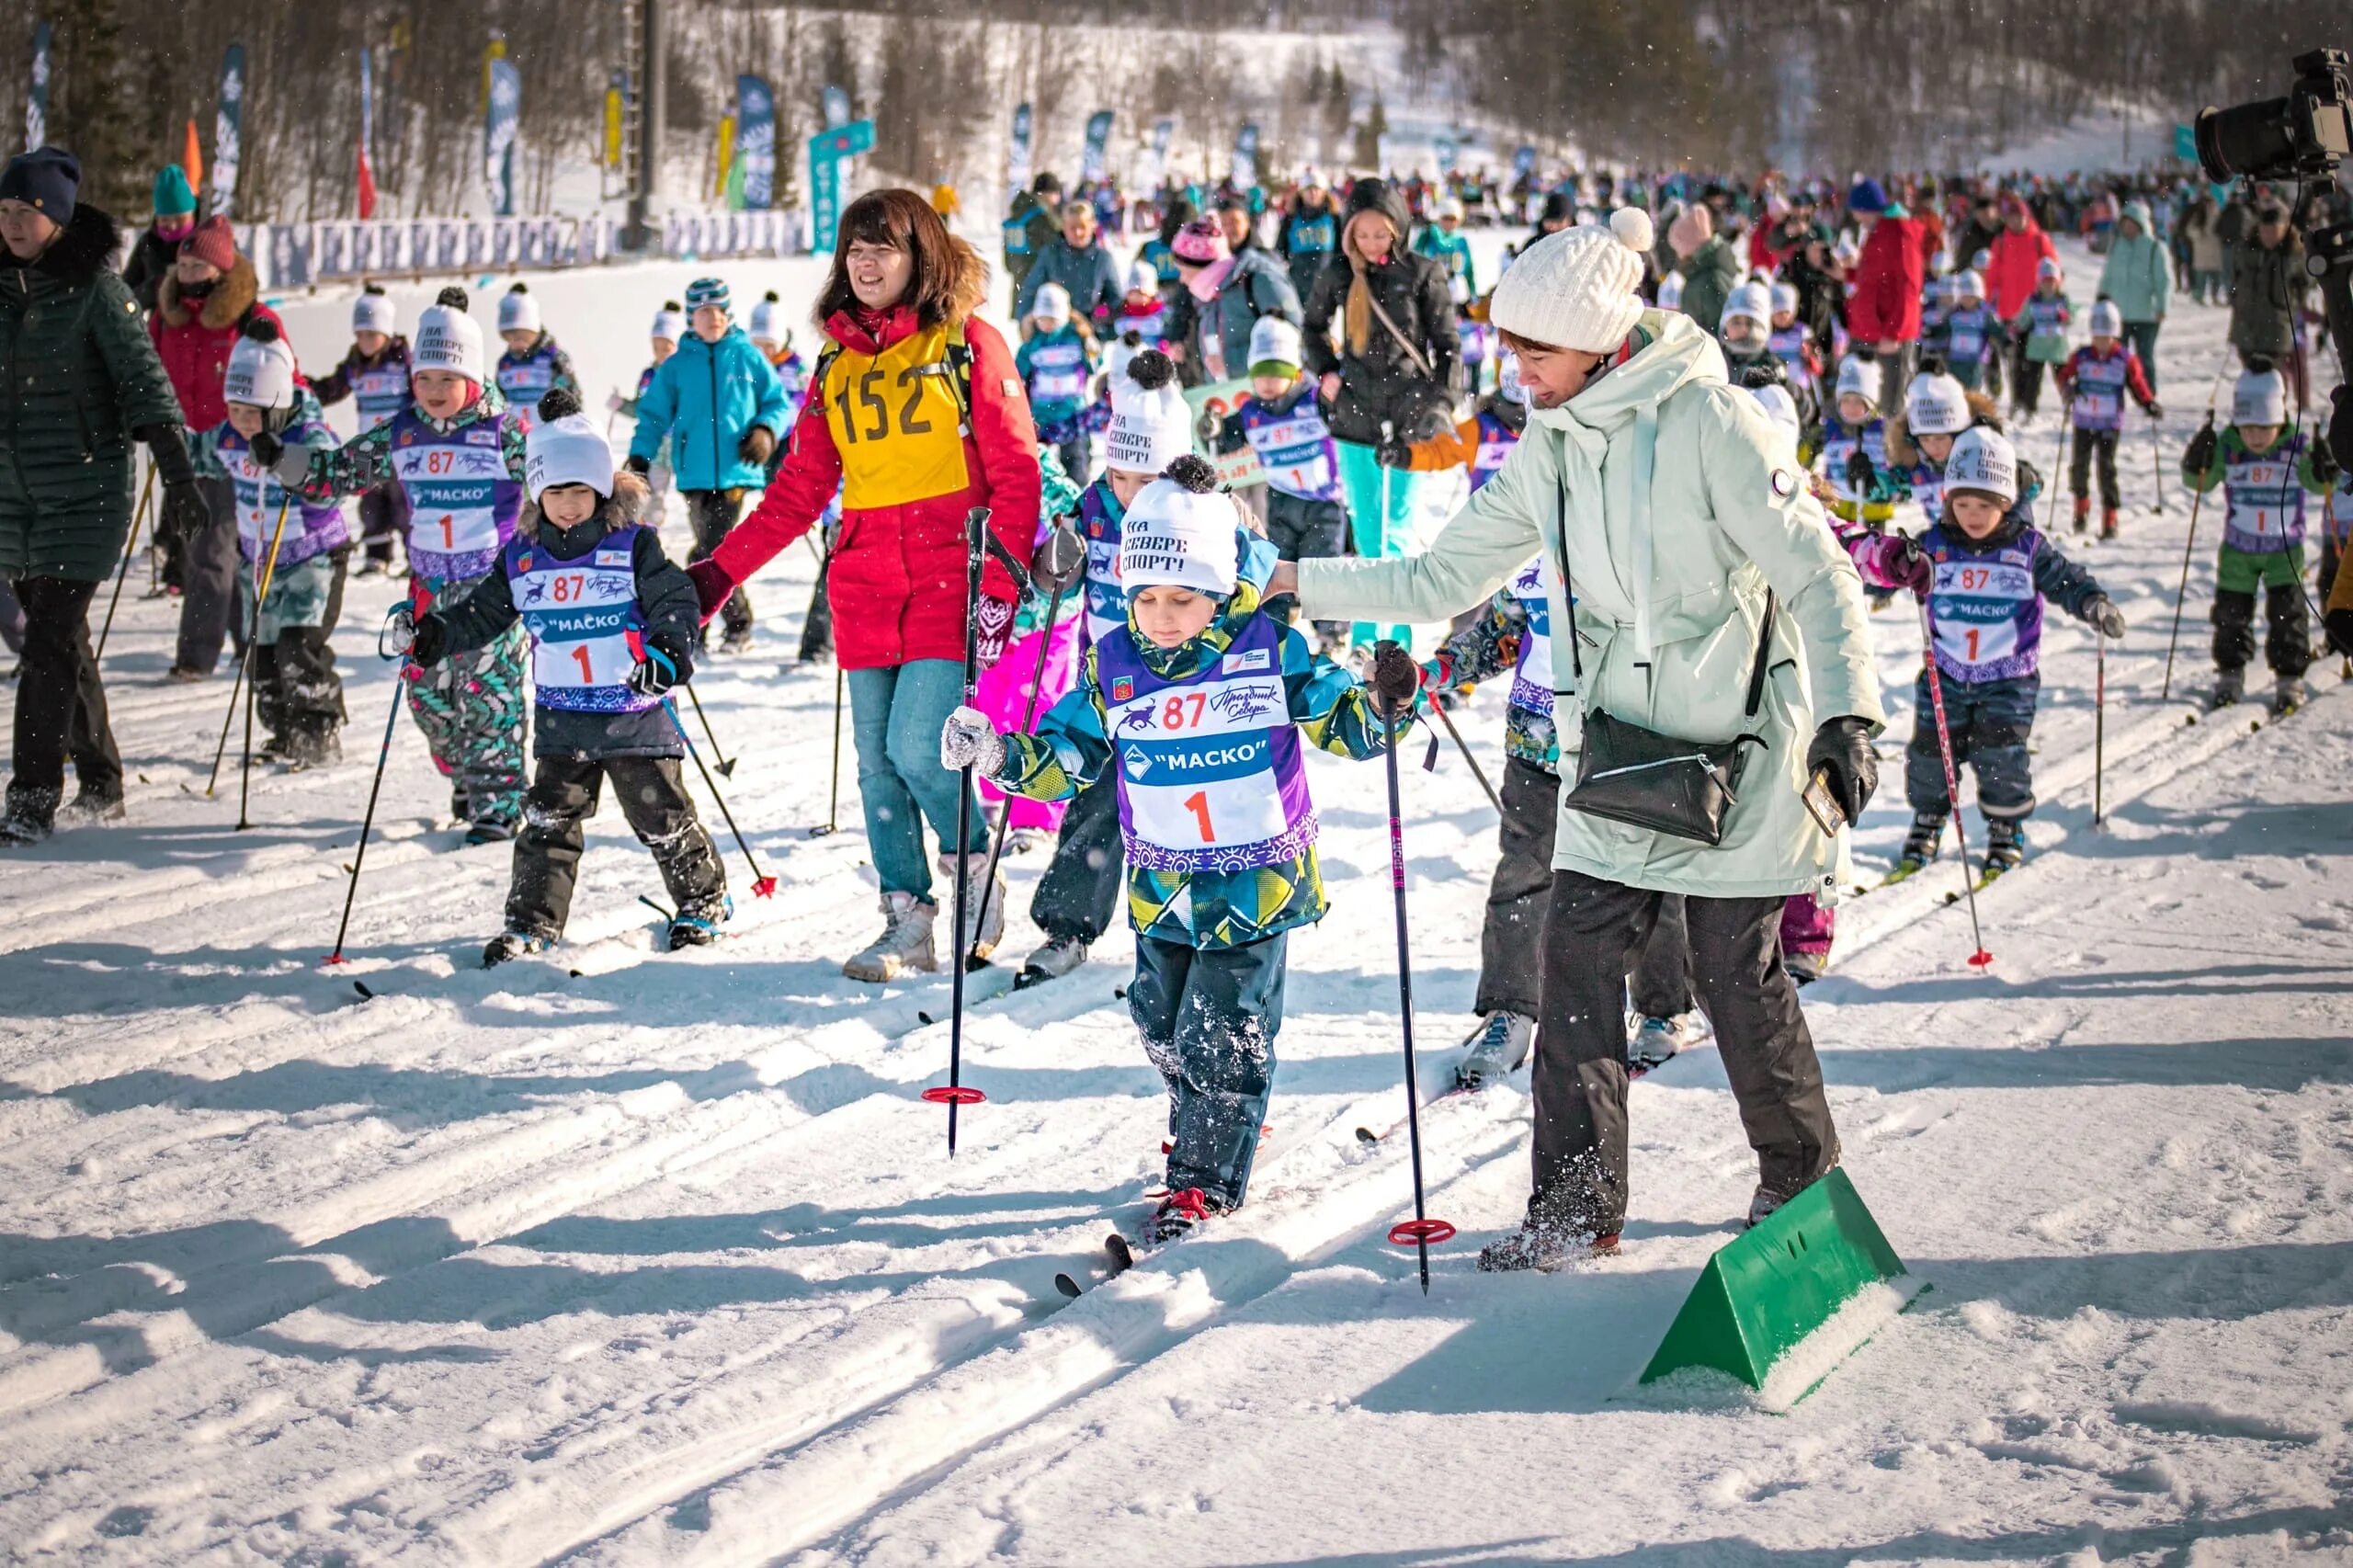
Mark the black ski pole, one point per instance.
(352, 889)
(130, 548)
(1980, 958)
(2157, 462)
(2099, 725)
(2181, 594)
(954, 1093)
(763, 886)
(1421, 1232)
(1004, 817)
(833, 799)
(1476, 771)
(245, 663)
(726, 763)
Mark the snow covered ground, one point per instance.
(663, 1260)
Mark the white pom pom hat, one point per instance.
(1575, 289)
(1983, 459)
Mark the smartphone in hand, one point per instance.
(1822, 805)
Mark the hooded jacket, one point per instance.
(1884, 300)
(82, 378)
(2138, 274)
(1665, 628)
(895, 578)
(1380, 382)
(704, 398)
(2009, 278)
(194, 337)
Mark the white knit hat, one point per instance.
(669, 324)
(767, 320)
(261, 369)
(518, 311)
(1785, 297)
(1752, 300)
(1968, 285)
(1860, 377)
(1778, 405)
(2107, 320)
(448, 339)
(372, 311)
(1983, 458)
(1142, 277)
(1176, 536)
(569, 450)
(1051, 304)
(1150, 428)
(2047, 270)
(1937, 405)
(1670, 291)
(1274, 341)
(2260, 398)
(1575, 289)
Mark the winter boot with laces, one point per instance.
(904, 944)
(1919, 846)
(697, 925)
(1057, 957)
(983, 902)
(1654, 1042)
(1180, 1213)
(2004, 845)
(1498, 1046)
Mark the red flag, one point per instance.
(192, 159)
(367, 187)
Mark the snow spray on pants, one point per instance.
(474, 709)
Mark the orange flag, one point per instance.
(192, 161)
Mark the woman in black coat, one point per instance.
(1381, 335)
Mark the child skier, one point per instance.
(2040, 331)
(1141, 320)
(2096, 380)
(772, 335)
(2264, 474)
(1984, 571)
(1853, 454)
(532, 364)
(1282, 421)
(1969, 333)
(457, 455)
(1745, 328)
(613, 624)
(1055, 362)
(297, 693)
(669, 321)
(1196, 704)
(1800, 358)
(1936, 410)
(374, 373)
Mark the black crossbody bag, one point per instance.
(1634, 775)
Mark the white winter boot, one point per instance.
(983, 907)
(904, 944)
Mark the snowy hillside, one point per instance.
(627, 1257)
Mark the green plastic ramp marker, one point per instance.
(1819, 1256)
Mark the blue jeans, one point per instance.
(1381, 517)
(2142, 337)
(895, 715)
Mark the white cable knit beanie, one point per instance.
(1577, 288)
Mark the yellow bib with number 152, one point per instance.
(895, 421)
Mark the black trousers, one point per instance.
(1300, 530)
(713, 516)
(2027, 393)
(1079, 894)
(383, 517)
(1593, 930)
(61, 707)
(2088, 443)
(295, 683)
(2287, 644)
(562, 796)
(1511, 942)
(817, 628)
(209, 565)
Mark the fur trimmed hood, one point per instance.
(231, 297)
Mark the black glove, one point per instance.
(265, 447)
(758, 442)
(2199, 455)
(2101, 612)
(1397, 680)
(1859, 473)
(2326, 467)
(1394, 452)
(1059, 562)
(2156, 409)
(430, 642)
(2340, 630)
(184, 512)
(654, 673)
(1843, 746)
(638, 465)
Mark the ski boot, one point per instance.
(514, 945)
(735, 639)
(30, 817)
(2005, 846)
(1180, 1213)
(489, 830)
(2082, 514)
(903, 945)
(306, 746)
(2108, 523)
(984, 901)
(1056, 957)
(90, 807)
(1919, 847)
(1803, 968)
(2230, 686)
(1498, 1046)
(697, 925)
(1544, 1245)
(1654, 1041)
(2288, 694)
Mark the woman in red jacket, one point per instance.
(913, 409)
(201, 309)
